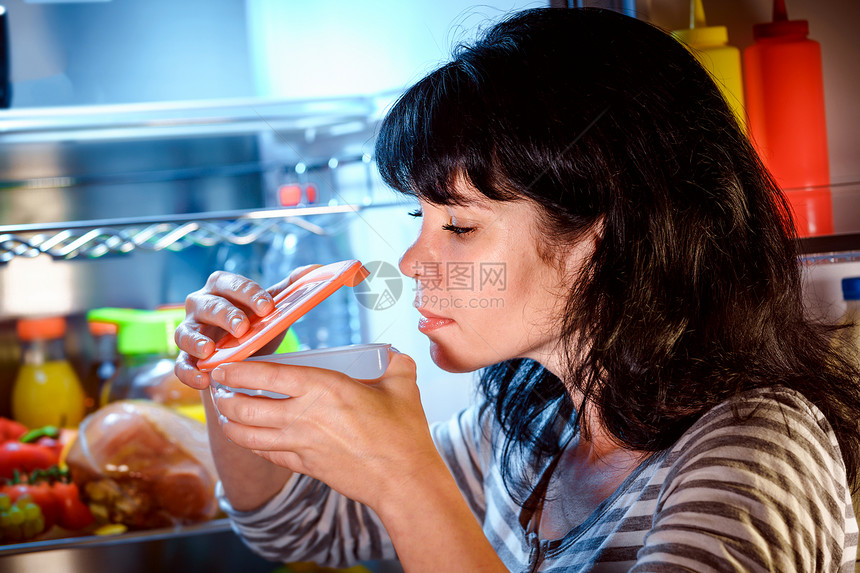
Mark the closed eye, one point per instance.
(458, 230)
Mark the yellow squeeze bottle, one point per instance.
(46, 391)
(710, 45)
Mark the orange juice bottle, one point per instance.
(46, 391)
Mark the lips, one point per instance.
(430, 322)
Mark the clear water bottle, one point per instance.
(335, 322)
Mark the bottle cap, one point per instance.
(290, 305)
(699, 34)
(98, 328)
(851, 288)
(781, 26)
(41, 328)
(797, 28)
(141, 331)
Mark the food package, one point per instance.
(144, 465)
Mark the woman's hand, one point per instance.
(364, 439)
(225, 305)
(367, 440)
(222, 306)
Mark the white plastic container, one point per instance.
(360, 361)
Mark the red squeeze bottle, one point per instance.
(784, 93)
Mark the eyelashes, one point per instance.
(456, 229)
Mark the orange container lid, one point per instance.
(98, 328)
(46, 327)
(297, 299)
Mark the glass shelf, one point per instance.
(842, 248)
(844, 244)
(334, 116)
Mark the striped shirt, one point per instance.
(762, 491)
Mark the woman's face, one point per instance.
(484, 293)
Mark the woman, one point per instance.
(653, 397)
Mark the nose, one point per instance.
(419, 256)
(409, 262)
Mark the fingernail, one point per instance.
(198, 379)
(220, 393)
(218, 374)
(201, 344)
(235, 322)
(260, 303)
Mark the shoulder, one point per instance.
(775, 424)
(759, 477)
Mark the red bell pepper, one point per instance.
(59, 500)
(11, 430)
(25, 458)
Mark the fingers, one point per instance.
(253, 411)
(400, 365)
(189, 338)
(256, 438)
(186, 370)
(204, 309)
(286, 379)
(220, 306)
(239, 291)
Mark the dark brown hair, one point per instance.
(693, 293)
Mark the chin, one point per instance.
(452, 363)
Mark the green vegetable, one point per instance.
(21, 520)
(43, 432)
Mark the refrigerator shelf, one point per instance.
(311, 118)
(208, 527)
(98, 238)
(840, 248)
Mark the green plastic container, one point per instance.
(145, 342)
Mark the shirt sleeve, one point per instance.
(308, 521)
(465, 443)
(763, 491)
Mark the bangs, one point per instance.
(438, 133)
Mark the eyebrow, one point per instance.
(480, 204)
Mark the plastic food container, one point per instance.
(290, 305)
(361, 361)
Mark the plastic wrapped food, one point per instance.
(143, 465)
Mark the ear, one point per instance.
(583, 247)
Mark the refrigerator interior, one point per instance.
(131, 195)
